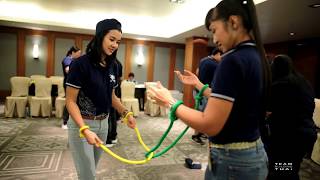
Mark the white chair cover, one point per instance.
(151, 108)
(40, 104)
(17, 102)
(127, 97)
(316, 113)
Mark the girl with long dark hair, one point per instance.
(236, 102)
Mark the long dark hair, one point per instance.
(72, 49)
(95, 50)
(247, 11)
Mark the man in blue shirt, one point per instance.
(207, 68)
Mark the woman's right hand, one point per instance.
(187, 78)
(92, 137)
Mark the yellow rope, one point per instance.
(127, 160)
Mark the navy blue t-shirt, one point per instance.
(207, 69)
(95, 84)
(239, 79)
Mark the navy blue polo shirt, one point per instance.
(207, 68)
(239, 79)
(95, 84)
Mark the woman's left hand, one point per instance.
(161, 95)
(131, 122)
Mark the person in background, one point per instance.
(73, 53)
(237, 100)
(292, 129)
(90, 95)
(207, 68)
(114, 115)
(131, 78)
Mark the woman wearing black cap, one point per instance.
(90, 95)
(236, 102)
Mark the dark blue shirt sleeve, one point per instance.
(75, 76)
(228, 78)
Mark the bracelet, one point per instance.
(173, 110)
(82, 129)
(124, 113)
(125, 119)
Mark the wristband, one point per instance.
(125, 119)
(173, 110)
(82, 129)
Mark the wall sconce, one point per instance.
(35, 51)
(140, 58)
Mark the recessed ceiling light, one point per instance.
(292, 34)
(314, 5)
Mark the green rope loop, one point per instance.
(173, 117)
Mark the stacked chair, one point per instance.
(127, 97)
(60, 100)
(41, 103)
(17, 102)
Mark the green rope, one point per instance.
(173, 117)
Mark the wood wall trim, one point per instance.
(21, 64)
(78, 42)
(150, 64)
(4, 94)
(127, 59)
(173, 52)
(50, 60)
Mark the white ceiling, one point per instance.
(157, 20)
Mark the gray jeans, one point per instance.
(86, 156)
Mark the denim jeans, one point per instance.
(86, 156)
(244, 164)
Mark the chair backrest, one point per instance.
(43, 87)
(36, 76)
(58, 80)
(19, 86)
(127, 89)
(148, 85)
(316, 113)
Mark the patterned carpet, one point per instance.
(37, 149)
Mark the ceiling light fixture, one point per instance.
(314, 5)
(177, 1)
(292, 34)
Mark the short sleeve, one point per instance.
(202, 71)
(75, 76)
(228, 79)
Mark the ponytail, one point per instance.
(251, 10)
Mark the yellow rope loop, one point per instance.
(127, 160)
(125, 119)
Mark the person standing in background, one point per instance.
(73, 53)
(114, 115)
(292, 129)
(207, 68)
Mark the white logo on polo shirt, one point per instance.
(112, 78)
